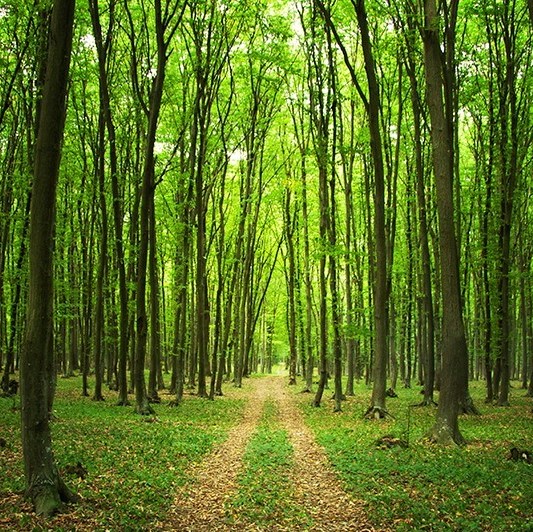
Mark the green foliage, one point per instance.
(426, 487)
(134, 466)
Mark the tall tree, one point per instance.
(454, 348)
(167, 20)
(320, 96)
(427, 318)
(103, 45)
(372, 105)
(44, 485)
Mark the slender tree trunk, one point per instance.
(508, 113)
(15, 306)
(98, 339)
(147, 194)
(155, 325)
(307, 317)
(103, 50)
(377, 407)
(291, 281)
(428, 312)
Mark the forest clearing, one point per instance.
(262, 458)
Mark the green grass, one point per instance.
(134, 466)
(265, 494)
(426, 487)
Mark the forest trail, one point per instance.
(201, 506)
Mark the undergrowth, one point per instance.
(134, 464)
(424, 486)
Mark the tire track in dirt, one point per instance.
(201, 505)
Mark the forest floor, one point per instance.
(204, 504)
(262, 458)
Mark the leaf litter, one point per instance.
(201, 505)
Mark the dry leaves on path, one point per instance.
(316, 485)
(201, 505)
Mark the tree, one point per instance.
(44, 485)
(103, 47)
(427, 318)
(372, 105)
(320, 105)
(454, 348)
(166, 23)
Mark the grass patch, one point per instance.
(427, 487)
(134, 466)
(265, 493)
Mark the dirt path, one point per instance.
(200, 505)
(316, 485)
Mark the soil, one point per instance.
(201, 505)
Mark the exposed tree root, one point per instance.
(468, 407)
(154, 398)
(427, 401)
(145, 409)
(48, 495)
(376, 412)
(443, 434)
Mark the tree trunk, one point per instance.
(147, 193)
(103, 50)
(427, 318)
(454, 348)
(291, 281)
(377, 407)
(155, 325)
(44, 485)
(98, 339)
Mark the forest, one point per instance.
(196, 192)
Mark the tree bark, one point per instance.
(44, 486)
(454, 347)
(98, 339)
(377, 407)
(147, 192)
(427, 306)
(103, 50)
(290, 227)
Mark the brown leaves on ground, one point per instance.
(200, 506)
